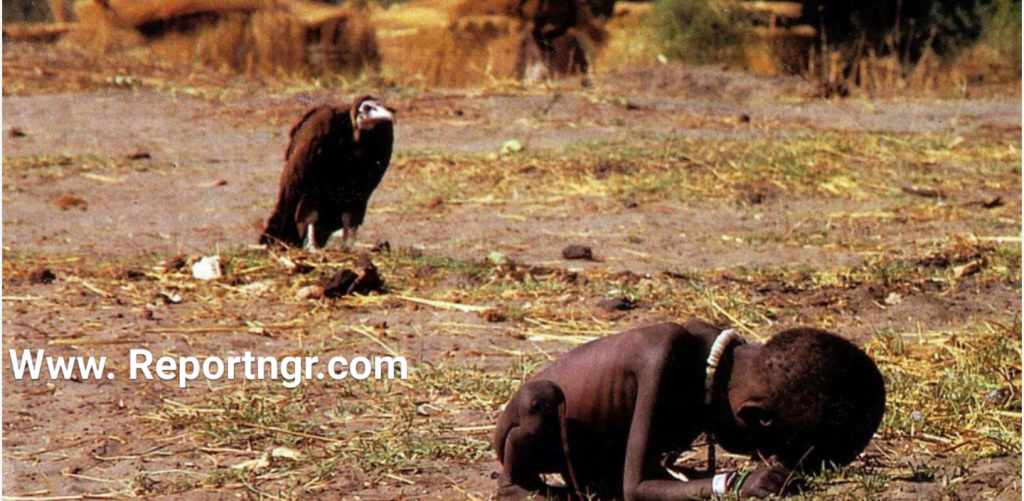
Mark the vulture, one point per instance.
(335, 159)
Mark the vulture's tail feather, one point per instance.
(280, 230)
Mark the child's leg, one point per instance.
(519, 473)
(529, 440)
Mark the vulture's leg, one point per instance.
(351, 221)
(354, 233)
(310, 243)
(306, 215)
(347, 231)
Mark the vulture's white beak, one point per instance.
(371, 113)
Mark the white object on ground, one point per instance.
(207, 268)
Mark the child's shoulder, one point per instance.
(633, 342)
(667, 331)
(670, 336)
(665, 346)
(657, 331)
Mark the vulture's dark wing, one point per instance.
(318, 144)
(295, 129)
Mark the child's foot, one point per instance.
(516, 493)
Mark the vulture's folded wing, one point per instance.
(317, 145)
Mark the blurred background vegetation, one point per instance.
(841, 44)
(908, 27)
(852, 41)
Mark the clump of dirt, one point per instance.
(381, 247)
(963, 253)
(41, 276)
(347, 282)
(576, 251)
(616, 303)
(68, 202)
(175, 263)
(522, 273)
(757, 193)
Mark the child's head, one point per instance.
(810, 397)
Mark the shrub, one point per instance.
(1001, 29)
(912, 27)
(701, 31)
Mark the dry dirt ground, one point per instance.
(746, 201)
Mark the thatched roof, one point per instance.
(316, 14)
(136, 13)
(254, 36)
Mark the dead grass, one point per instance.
(475, 328)
(956, 390)
(952, 391)
(807, 164)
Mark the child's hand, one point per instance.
(765, 481)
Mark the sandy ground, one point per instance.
(164, 207)
(209, 179)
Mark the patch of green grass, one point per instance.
(384, 433)
(429, 263)
(49, 166)
(820, 165)
(403, 447)
(958, 388)
(859, 482)
(471, 385)
(514, 313)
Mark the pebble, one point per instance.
(311, 292)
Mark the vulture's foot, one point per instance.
(309, 245)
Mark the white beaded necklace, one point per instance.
(714, 357)
(721, 342)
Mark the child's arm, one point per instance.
(761, 483)
(642, 482)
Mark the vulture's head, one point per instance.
(369, 114)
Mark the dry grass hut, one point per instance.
(266, 37)
(460, 43)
